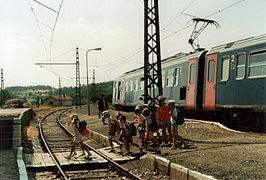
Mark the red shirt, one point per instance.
(163, 112)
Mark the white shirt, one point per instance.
(173, 112)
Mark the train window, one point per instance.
(192, 74)
(211, 70)
(114, 94)
(240, 65)
(135, 84)
(126, 86)
(129, 85)
(169, 77)
(257, 64)
(163, 78)
(225, 68)
(141, 83)
(176, 76)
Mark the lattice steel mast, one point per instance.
(152, 53)
(78, 94)
(2, 88)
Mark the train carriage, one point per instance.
(235, 79)
(228, 82)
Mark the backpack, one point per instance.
(117, 125)
(180, 119)
(82, 127)
(133, 127)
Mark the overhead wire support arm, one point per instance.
(56, 63)
(46, 6)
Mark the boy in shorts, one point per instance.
(149, 130)
(111, 129)
(140, 121)
(174, 112)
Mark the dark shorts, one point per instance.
(165, 123)
(141, 129)
(111, 133)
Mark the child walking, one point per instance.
(111, 129)
(163, 118)
(149, 130)
(174, 113)
(140, 121)
(126, 135)
(77, 139)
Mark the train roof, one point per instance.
(174, 57)
(177, 57)
(238, 44)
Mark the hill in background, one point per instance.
(31, 94)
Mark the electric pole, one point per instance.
(93, 77)
(78, 94)
(60, 93)
(152, 53)
(2, 87)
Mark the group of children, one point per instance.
(167, 117)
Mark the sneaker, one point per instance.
(112, 151)
(121, 146)
(164, 144)
(68, 157)
(88, 157)
(157, 151)
(185, 144)
(127, 153)
(174, 147)
(141, 149)
(88, 153)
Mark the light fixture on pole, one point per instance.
(87, 70)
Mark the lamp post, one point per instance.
(87, 70)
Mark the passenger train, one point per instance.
(227, 82)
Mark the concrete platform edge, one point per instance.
(175, 171)
(21, 165)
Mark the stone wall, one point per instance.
(12, 123)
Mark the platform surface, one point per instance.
(8, 165)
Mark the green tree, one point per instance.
(38, 101)
(6, 95)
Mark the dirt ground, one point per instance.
(212, 150)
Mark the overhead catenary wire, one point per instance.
(191, 2)
(210, 15)
(48, 55)
(38, 25)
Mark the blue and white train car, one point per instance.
(228, 81)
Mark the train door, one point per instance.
(191, 84)
(210, 85)
(123, 92)
(119, 90)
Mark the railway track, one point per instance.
(56, 139)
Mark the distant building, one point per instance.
(62, 100)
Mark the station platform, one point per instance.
(8, 164)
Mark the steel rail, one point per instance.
(111, 162)
(49, 149)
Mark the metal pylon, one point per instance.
(2, 88)
(78, 94)
(60, 93)
(152, 53)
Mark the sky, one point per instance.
(115, 26)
